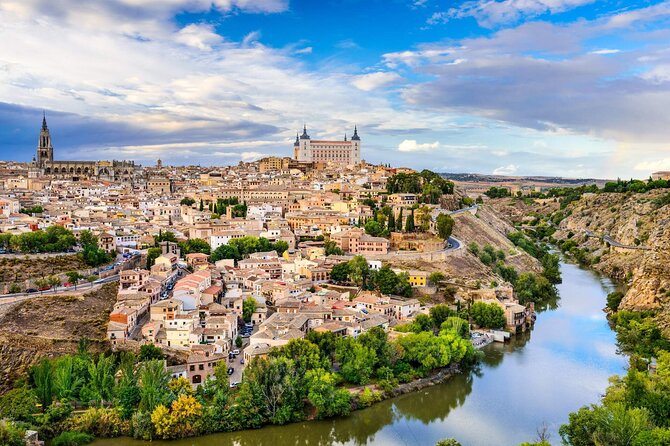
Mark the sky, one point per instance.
(574, 88)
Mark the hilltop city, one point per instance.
(367, 280)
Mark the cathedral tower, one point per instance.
(45, 151)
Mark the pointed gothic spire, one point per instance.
(297, 139)
(345, 136)
(44, 120)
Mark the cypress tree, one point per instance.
(202, 205)
(400, 220)
(391, 222)
(409, 224)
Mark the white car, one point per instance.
(235, 352)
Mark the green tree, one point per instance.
(340, 272)
(226, 252)
(73, 277)
(374, 228)
(359, 270)
(399, 221)
(202, 205)
(195, 245)
(272, 386)
(409, 223)
(153, 379)
(324, 396)
(67, 381)
(439, 313)
(356, 361)
(152, 255)
(436, 278)
(248, 307)
(149, 352)
(187, 201)
(487, 315)
(444, 225)
(43, 380)
(18, 404)
(101, 382)
(386, 281)
(331, 248)
(391, 222)
(614, 299)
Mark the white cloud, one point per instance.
(372, 81)
(510, 169)
(606, 51)
(410, 145)
(653, 166)
(306, 50)
(199, 36)
(490, 13)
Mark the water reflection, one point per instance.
(537, 378)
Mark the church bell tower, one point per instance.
(45, 151)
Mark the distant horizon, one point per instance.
(573, 88)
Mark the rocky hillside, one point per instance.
(461, 267)
(599, 223)
(51, 326)
(636, 221)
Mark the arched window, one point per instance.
(197, 379)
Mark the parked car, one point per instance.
(233, 385)
(242, 361)
(31, 290)
(235, 352)
(231, 371)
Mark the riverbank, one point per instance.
(537, 378)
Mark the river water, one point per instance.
(535, 380)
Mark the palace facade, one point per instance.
(340, 152)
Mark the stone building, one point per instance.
(340, 152)
(78, 170)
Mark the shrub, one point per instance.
(142, 427)
(100, 423)
(368, 397)
(10, 434)
(614, 299)
(70, 438)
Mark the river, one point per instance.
(563, 364)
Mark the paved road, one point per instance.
(461, 211)
(62, 289)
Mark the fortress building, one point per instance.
(78, 170)
(340, 152)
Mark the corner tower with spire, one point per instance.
(45, 150)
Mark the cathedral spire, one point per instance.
(44, 120)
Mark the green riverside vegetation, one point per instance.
(125, 394)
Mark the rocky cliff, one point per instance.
(624, 236)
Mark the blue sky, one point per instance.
(576, 88)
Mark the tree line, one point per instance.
(133, 395)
